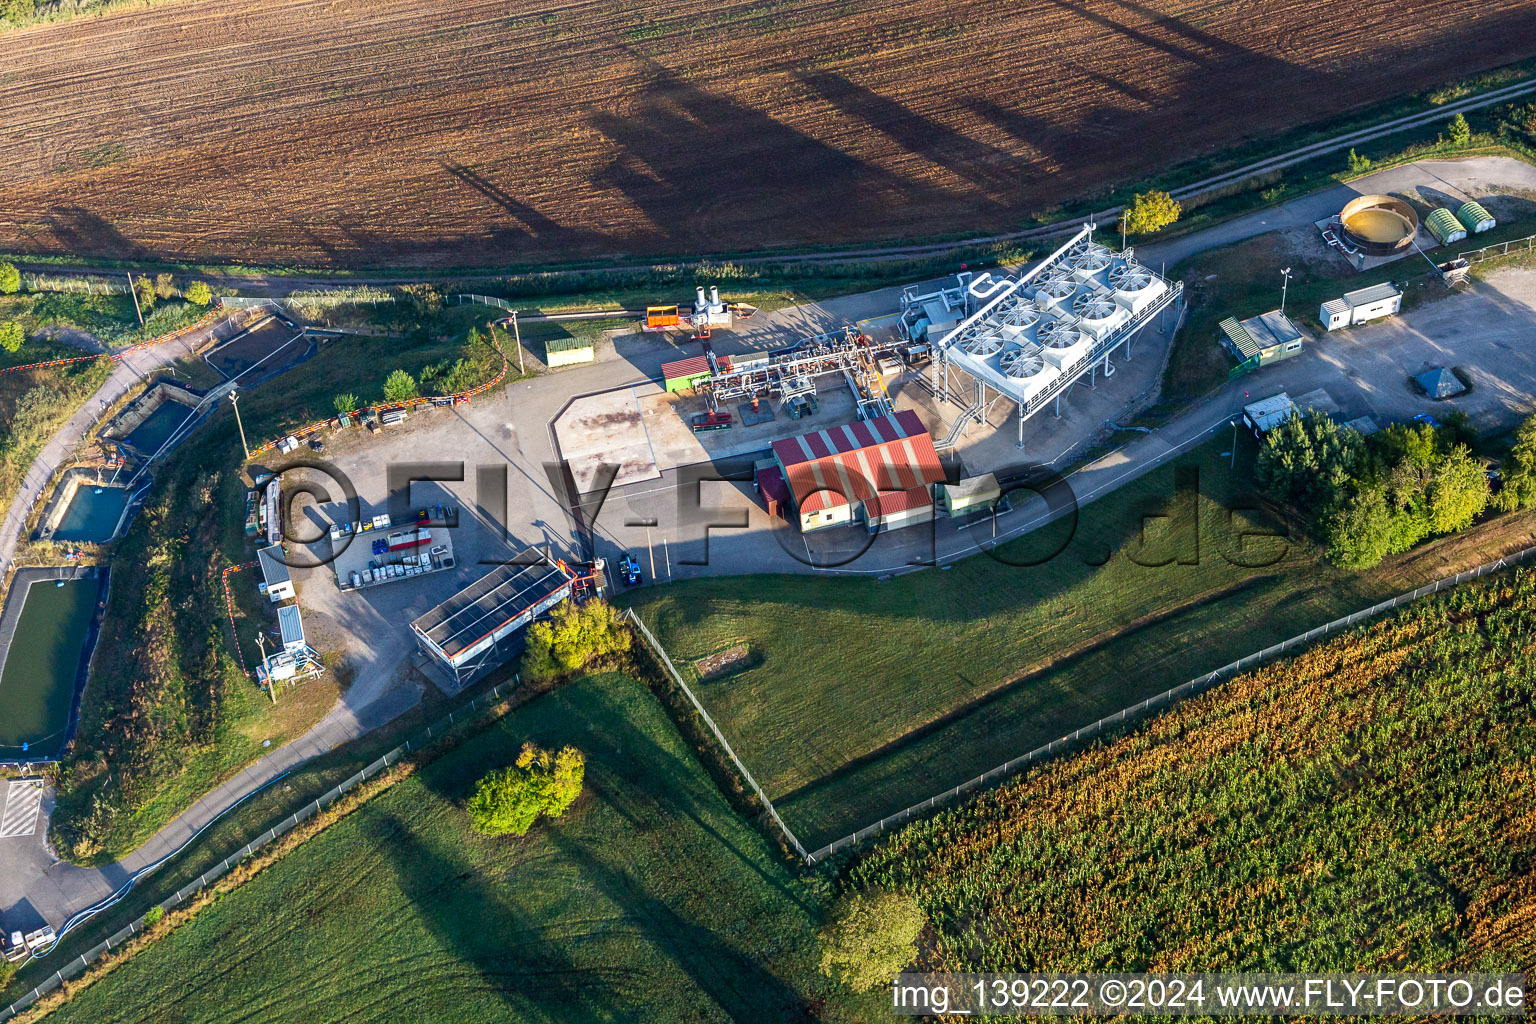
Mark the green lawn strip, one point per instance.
(34, 404)
(649, 900)
(857, 679)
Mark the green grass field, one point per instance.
(1365, 806)
(651, 900)
(866, 697)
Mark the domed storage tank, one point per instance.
(1444, 226)
(1474, 217)
(1379, 225)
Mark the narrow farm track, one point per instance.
(374, 132)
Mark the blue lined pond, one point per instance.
(92, 515)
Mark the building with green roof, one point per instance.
(1444, 226)
(1261, 340)
(1474, 217)
(565, 351)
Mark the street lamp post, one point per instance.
(234, 400)
(517, 335)
(1285, 280)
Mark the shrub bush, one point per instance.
(576, 637)
(1149, 212)
(541, 782)
(198, 293)
(1367, 498)
(870, 938)
(399, 386)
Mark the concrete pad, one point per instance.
(607, 428)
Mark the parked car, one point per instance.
(1425, 417)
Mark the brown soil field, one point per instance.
(499, 132)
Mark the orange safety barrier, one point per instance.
(229, 606)
(201, 321)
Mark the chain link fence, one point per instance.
(79, 962)
(661, 655)
(91, 285)
(1489, 252)
(471, 299)
(1167, 698)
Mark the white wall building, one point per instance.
(1357, 307)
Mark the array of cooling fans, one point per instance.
(1072, 313)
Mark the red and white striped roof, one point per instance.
(858, 461)
(892, 502)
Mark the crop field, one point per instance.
(1366, 806)
(864, 697)
(370, 132)
(649, 900)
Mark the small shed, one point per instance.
(1444, 226)
(1364, 425)
(274, 571)
(1475, 218)
(566, 351)
(290, 626)
(970, 494)
(682, 374)
(1263, 339)
(1361, 305)
(1268, 413)
(1440, 383)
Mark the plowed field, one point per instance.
(486, 132)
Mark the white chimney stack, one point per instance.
(699, 303)
(714, 298)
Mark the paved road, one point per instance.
(513, 427)
(34, 886)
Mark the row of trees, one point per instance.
(449, 377)
(1367, 498)
(148, 290)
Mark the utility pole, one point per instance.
(518, 335)
(135, 296)
(1285, 280)
(261, 642)
(234, 400)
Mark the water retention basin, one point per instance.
(47, 632)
